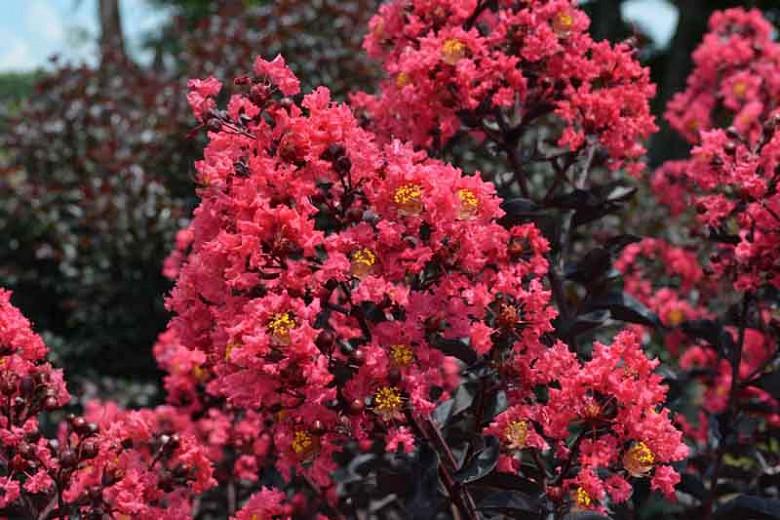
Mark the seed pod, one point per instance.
(354, 215)
(8, 384)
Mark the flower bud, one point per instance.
(342, 165)
(325, 341)
(357, 406)
(89, 449)
(27, 385)
(68, 458)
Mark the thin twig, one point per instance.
(730, 413)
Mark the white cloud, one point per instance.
(43, 19)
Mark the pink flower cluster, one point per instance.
(139, 464)
(666, 278)
(670, 281)
(732, 176)
(736, 77)
(737, 194)
(605, 416)
(28, 385)
(456, 65)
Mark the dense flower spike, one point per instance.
(454, 64)
(325, 270)
(724, 351)
(609, 409)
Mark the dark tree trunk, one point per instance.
(691, 26)
(111, 37)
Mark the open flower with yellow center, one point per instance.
(401, 355)
(304, 444)
(388, 402)
(452, 50)
(279, 327)
(516, 434)
(562, 23)
(363, 261)
(402, 79)
(675, 316)
(739, 89)
(468, 204)
(408, 199)
(638, 459)
(582, 498)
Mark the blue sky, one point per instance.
(33, 30)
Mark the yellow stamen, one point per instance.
(563, 22)
(516, 434)
(199, 373)
(408, 199)
(469, 204)
(363, 260)
(388, 402)
(739, 89)
(675, 316)
(279, 327)
(582, 498)
(638, 459)
(303, 443)
(402, 79)
(591, 410)
(508, 316)
(401, 355)
(452, 50)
